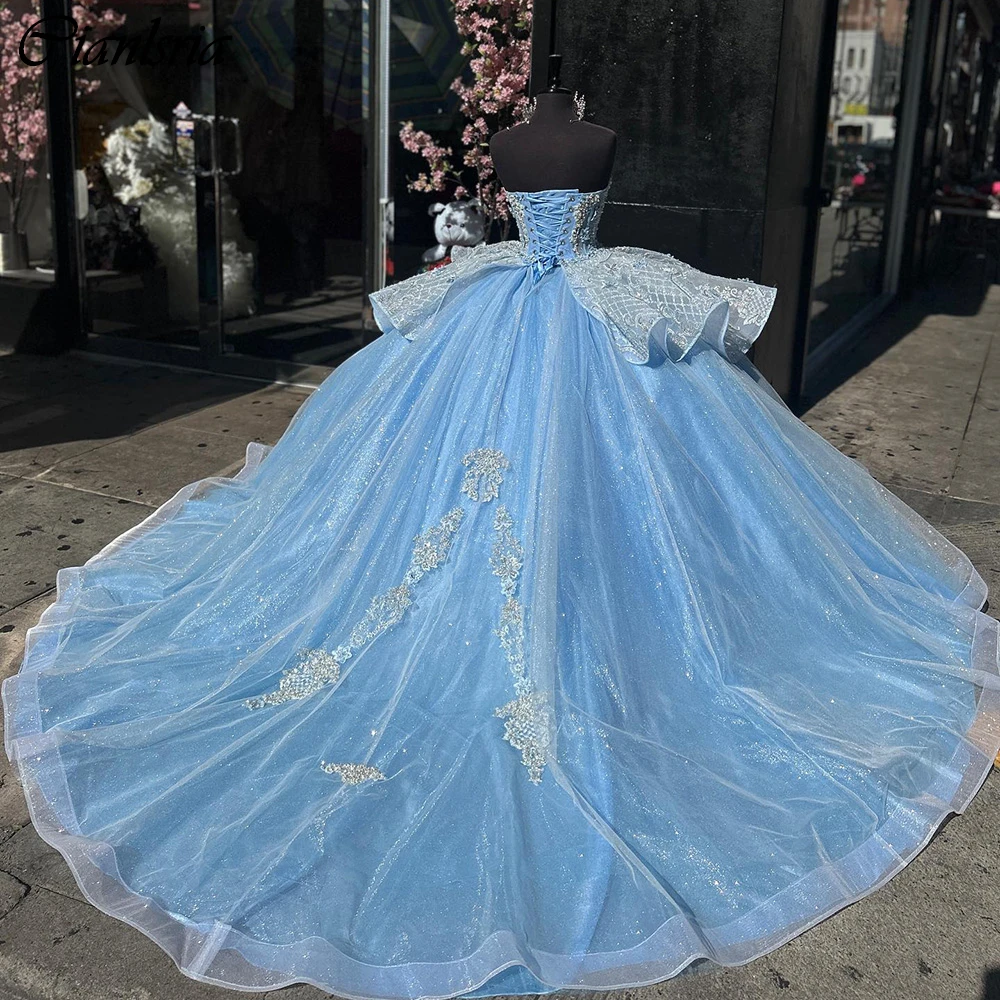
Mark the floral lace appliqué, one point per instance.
(486, 467)
(528, 718)
(313, 669)
(353, 774)
(528, 728)
(316, 667)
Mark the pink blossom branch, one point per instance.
(23, 126)
(497, 40)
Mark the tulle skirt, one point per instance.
(513, 666)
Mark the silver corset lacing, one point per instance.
(555, 226)
(643, 298)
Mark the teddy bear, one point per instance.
(457, 224)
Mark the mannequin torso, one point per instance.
(554, 149)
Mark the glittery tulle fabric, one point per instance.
(517, 664)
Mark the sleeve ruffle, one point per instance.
(647, 298)
(408, 307)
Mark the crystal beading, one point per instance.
(353, 774)
(315, 668)
(640, 296)
(528, 728)
(486, 467)
(528, 718)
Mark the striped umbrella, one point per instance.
(425, 56)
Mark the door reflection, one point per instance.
(859, 162)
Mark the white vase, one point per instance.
(13, 252)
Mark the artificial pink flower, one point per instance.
(23, 125)
(497, 42)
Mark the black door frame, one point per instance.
(816, 199)
(898, 232)
(72, 327)
(69, 318)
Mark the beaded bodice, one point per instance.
(643, 298)
(557, 224)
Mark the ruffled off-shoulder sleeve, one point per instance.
(409, 306)
(646, 298)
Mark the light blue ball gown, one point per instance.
(546, 649)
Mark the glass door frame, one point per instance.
(914, 62)
(378, 177)
(62, 153)
(211, 355)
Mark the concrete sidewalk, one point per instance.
(89, 448)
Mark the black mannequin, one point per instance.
(553, 149)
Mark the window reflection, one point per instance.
(859, 161)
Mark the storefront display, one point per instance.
(860, 163)
(248, 168)
(318, 139)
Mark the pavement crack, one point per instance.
(25, 892)
(82, 489)
(979, 386)
(13, 607)
(44, 888)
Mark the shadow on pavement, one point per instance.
(72, 398)
(950, 303)
(991, 984)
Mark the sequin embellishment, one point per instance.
(586, 218)
(486, 467)
(316, 667)
(752, 302)
(528, 718)
(353, 774)
(639, 294)
(528, 728)
(313, 669)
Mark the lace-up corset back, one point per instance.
(643, 298)
(556, 225)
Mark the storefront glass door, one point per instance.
(226, 192)
(242, 194)
(290, 92)
(860, 168)
(140, 217)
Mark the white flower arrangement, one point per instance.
(141, 167)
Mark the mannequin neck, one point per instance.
(554, 107)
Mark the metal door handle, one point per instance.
(206, 133)
(222, 121)
(204, 152)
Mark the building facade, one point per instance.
(830, 148)
(820, 147)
